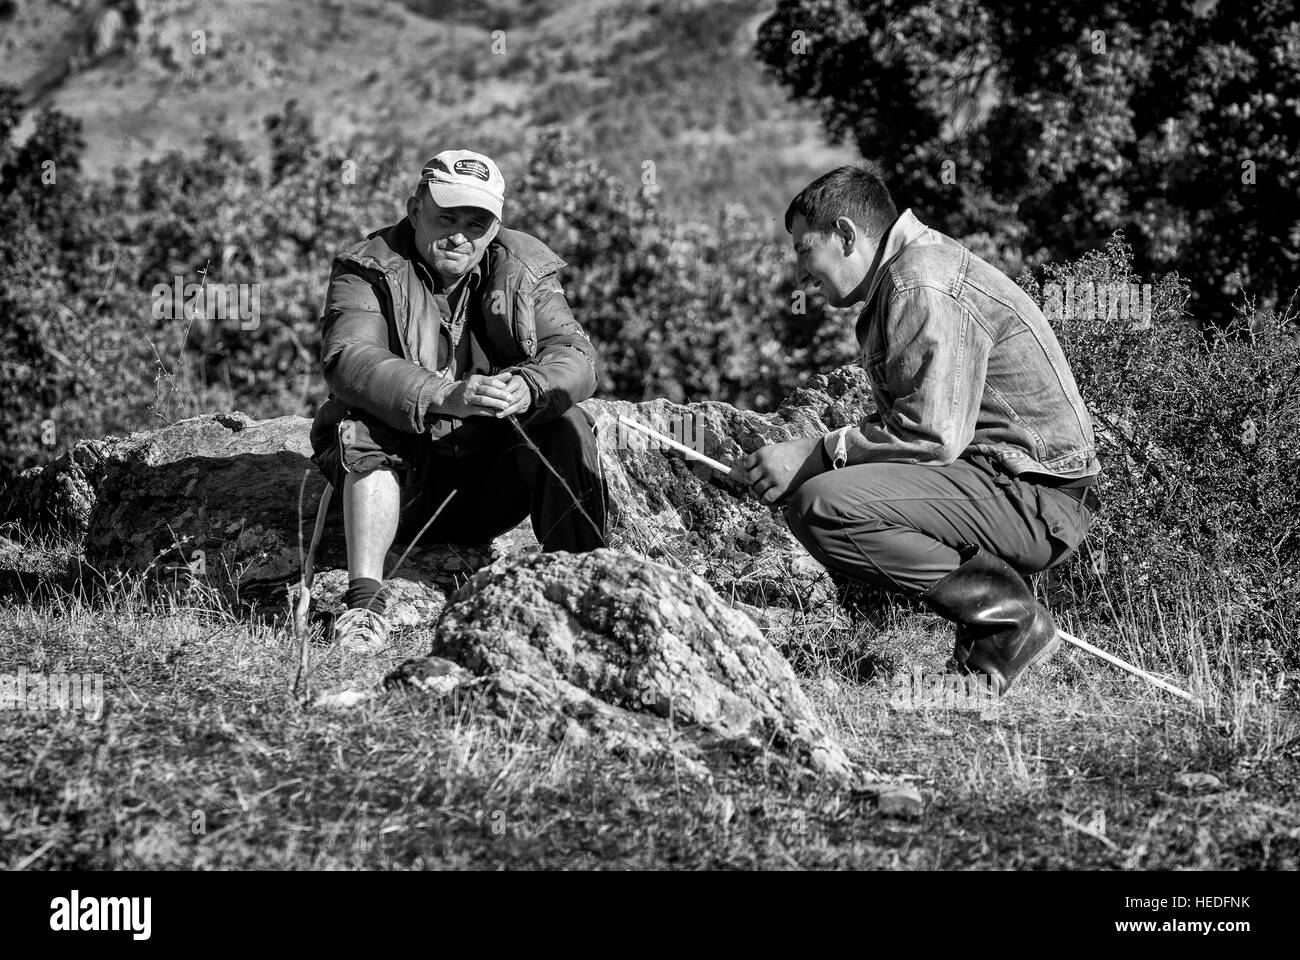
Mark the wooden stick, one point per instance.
(1125, 665)
(411, 546)
(306, 575)
(679, 447)
(528, 442)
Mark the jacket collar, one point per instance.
(903, 231)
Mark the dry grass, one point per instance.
(203, 759)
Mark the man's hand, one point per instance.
(522, 396)
(776, 471)
(479, 396)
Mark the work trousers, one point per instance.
(899, 526)
(497, 484)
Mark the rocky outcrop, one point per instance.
(647, 658)
(216, 497)
(689, 516)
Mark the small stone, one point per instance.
(342, 699)
(893, 799)
(900, 801)
(432, 675)
(1199, 781)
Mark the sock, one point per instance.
(361, 591)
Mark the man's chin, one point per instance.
(452, 269)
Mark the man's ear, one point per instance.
(412, 209)
(846, 234)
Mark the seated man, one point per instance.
(435, 331)
(976, 466)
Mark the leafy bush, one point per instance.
(688, 311)
(1197, 432)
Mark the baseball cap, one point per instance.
(462, 178)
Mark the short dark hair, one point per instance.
(856, 191)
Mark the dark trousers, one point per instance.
(496, 486)
(898, 526)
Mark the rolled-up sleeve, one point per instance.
(935, 364)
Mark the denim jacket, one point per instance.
(961, 362)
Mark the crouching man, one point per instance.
(435, 331)
(978, 464)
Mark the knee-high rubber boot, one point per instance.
(1002, 630)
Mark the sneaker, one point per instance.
(361, 630)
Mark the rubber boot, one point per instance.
(1002, 630)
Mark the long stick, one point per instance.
(308, 572)
(679, 447)
(1125, 665)
(523, 435)
(411, 546)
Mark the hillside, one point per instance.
(674, 83)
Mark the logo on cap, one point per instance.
(471, 168)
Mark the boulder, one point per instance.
(214, 498)
(646, 657)
(217, 497)
(684, 513)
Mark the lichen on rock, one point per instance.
(647, 657)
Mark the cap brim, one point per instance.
(456, 195)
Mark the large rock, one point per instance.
(648, 658)
(688, 515)
(218, 495)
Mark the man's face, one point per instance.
(835, 263)
(450, 239)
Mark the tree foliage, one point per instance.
(1035, 133)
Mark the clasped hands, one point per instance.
(479, 395)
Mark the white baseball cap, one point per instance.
(462, 178)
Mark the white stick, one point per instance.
(680, 447)
(1125, 665)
